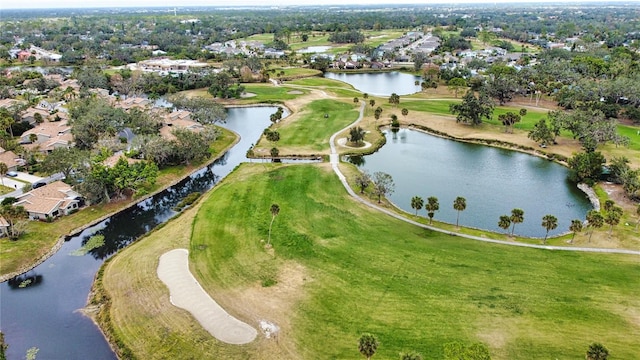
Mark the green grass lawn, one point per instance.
(632, 132)
(442, 107)
(269, 93)
(321, 82)
(414, 289)
(312, 130)
(294, 72)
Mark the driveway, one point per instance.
(18, 183)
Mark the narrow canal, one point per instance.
(42, 308)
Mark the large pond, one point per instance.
(493, 181)
(42, 308)
(380, 83)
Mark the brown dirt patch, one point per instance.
(274, 304)
(617, 194)
(447, 124)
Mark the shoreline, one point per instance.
(133, 202)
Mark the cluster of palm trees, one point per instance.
(432, 205)
(595, 219)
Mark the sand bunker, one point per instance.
(186, 293)
(343, 142)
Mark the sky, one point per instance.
(43, 4)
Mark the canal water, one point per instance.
(42, 308)
(493, 181)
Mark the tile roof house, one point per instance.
(132, 102)
(30, 115)
(49, 201)
(10, 159)
(4, 227)
(178, 119)
(49, 136)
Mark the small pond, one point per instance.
(314, 49)
(380, 83)
(493, 181)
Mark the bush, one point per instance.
(188, 200)
(8, 200)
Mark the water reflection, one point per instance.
(493, 181)
(25, 281)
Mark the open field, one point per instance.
(41, 237)
(372, 38)
(293, 73)
(339, 269)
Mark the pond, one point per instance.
(380, 83)
(493, 181)
(314, 49)
(42, 308)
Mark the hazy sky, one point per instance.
(34, 4)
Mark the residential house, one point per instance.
(112, 160)
(50, 201)
(30, 115)
(132, 102)
(10, 159)
(48, 136)
(4, 227)
(178, 119)
(23, 55)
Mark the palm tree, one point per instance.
(459, 204)
(417, 203)
(613, 217)
(549, 222)
(275, 210)
(367, 345)
(432, 206)
(594, 220)
(517, 217)
(410, 356)
(3, 171)
(504, 222)
(597, 351)
(608, 205)
(575, 227)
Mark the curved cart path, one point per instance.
(334, 159)
(186, 293)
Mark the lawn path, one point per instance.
(334, 159)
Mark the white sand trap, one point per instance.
(343, 142)
(186, 293)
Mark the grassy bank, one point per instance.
(339, 269)
(41, 237)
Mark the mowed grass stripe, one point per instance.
(414, 289)
(312, 130)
